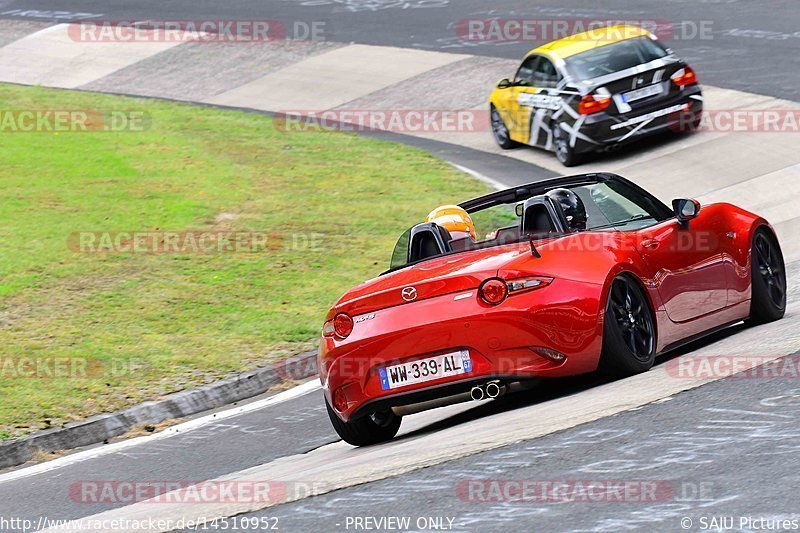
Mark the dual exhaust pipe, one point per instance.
(490, 390)
(486, 391)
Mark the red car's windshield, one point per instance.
(609, 205)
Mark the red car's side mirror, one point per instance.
(685, 210)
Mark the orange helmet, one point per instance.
(454, 219)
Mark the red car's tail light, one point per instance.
(592, 103)
(684, 76)
(493, 291)
(341, 326)
(516, 286)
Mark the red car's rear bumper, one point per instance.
(565, 316)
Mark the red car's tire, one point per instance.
(370, 429)
(629, 333)
(768, 274)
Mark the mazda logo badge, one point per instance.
(409, 294)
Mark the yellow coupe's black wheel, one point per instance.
(500, 131)
(564, 152)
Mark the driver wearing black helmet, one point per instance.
(572, 207)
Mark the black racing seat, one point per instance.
(540, 217)
(538, 220)
(428, 240)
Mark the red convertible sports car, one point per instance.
(575, 274)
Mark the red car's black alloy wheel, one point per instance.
(633, 318)
(771, 269)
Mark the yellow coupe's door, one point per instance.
(536, 100)
(518, 115)
(504, 99)
(529, 101)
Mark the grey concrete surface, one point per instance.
(199, 71)
(11, 30)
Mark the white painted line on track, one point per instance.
(481, 177)
(180, 429)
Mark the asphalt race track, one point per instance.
(716, 447)
(752, 50)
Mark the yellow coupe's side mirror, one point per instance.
(505, 83)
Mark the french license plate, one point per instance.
(644, 92)
(439, 366)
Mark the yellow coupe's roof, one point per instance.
(581, 42)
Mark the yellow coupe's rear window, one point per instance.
(614, 57)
